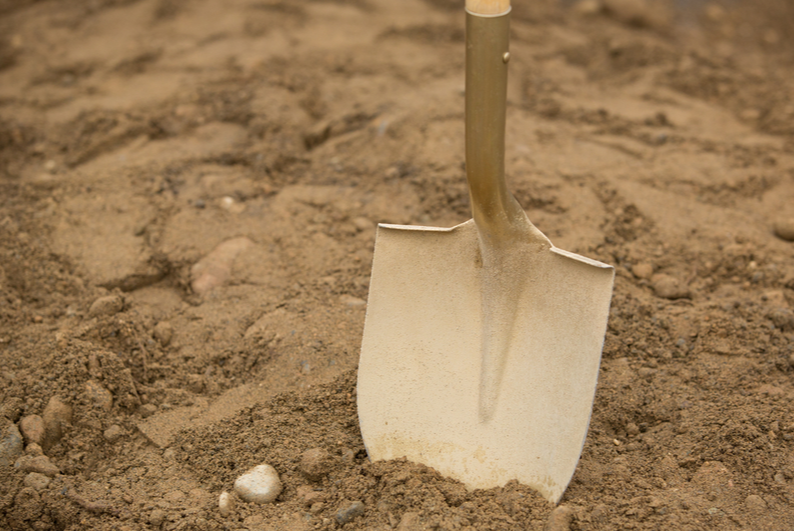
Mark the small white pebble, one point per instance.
(226, 504)
(261, 484)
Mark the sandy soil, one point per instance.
(188, 200)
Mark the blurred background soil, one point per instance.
(189, 192)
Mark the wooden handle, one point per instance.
(488, 7)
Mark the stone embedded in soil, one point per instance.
(56, 415)
(10, 444)
(98, 396)
(315, 464)
(783, 228)
(216, 268)
(349, 512)
(560, 519)
(40, 464)
(668, 287)
(261, 484)
(226, 504)
(32, 428)
(36, 481)
(106, 306)
(163, 332)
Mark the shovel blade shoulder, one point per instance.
(420, 368)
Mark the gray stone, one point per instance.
(10, 444)
(349, 512)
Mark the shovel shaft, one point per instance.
(498, 216)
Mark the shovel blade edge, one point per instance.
(420, 364)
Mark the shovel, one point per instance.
(482, 342)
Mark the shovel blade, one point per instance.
(419, 377)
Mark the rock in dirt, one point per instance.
(40, 464)
(560, 519)
(32, 428)
(315, 464)
(36, 481)
(261, 484)
(783, 228)
(226, 504)
(349, 511)
(106, 306)
(215, 268)
(668, 287)
(56, 416)
(10, 444)
(98, 396)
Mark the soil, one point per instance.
(189, 194)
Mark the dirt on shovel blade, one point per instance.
(188, 200)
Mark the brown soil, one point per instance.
(188, 199)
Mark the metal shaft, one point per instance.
(498, 216)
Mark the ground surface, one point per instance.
(188, 200)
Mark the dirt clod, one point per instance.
(106, 306)
(40, 464)
(32, 428)
(36, 480)
(315, 464)
(668, 287)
